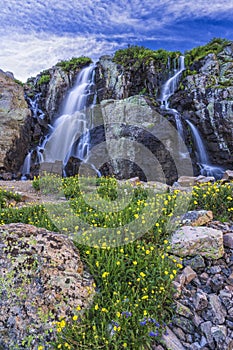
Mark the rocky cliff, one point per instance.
(204, 97)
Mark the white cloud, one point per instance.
(28, 55)
(35, 34)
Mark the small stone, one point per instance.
(185, 324)
(230, 279)
(217, 282)
(197, 217)
(218, 309)
(197, 263)
(203, 342)
(228, 240)
(200, 301)
(204, 277)
(179, 332)
(172, 341)
(219, 334)
(183, 310)
(230, 312)
(214, 269)
(201, 179)
(188, 274)
(185, 181)
(197, 320)
(226, 298)
(229, 324)
(189, 338)
(228, 175)
(206, 331)
(195, 346)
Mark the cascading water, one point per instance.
(34, 106)
(74, 123)
(206, 167)
(168, 90)
(171, 85)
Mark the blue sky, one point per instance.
(36, 34)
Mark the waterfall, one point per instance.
(171, 84)
(168, 90)
(206, 167)
(26, 166)
(74, 123)
(34, 106)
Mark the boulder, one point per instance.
(42, 280)
(197, 217)
(185, 181)
(204, 241)
(13, 113)
(228, 240)
(228, 175)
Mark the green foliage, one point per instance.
(74, 63)
(8, 198)
(215, 46)
(137, 55)
(33, 215)
(19, 82)
(217, 197)
(132, 306)
(48, 184)
(134, 295)
(44, 79)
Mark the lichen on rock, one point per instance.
(42, 280)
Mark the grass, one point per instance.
(122, 233)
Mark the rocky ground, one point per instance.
(204, 287)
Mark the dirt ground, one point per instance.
(26, 190)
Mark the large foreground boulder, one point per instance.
(41, 281)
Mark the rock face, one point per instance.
(207, 101)
(41, 279)
(141, 141)
(115, 81)
(14, 115)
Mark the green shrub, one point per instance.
(74, 63)
(7, 198)
(217, 197)
(137, 55)
(44, 79)
(215, 46)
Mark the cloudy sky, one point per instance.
(36, 34)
